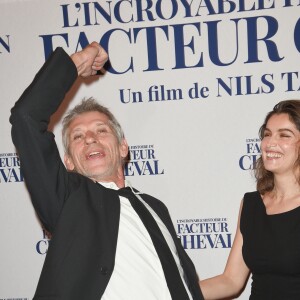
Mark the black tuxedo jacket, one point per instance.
(82, 215)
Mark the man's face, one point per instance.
(94, 150)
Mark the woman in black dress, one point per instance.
(267, 241)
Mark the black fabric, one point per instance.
(173, 278)
(271, 250)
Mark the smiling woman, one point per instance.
(269, 218)
(280, 135)
(280, 144)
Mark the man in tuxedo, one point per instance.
(108, 241)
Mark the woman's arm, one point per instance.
(235, 275)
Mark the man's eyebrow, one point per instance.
(101, 123)
(75, 129)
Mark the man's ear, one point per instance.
(124, 148)
(69, 162)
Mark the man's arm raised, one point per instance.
(43, 170)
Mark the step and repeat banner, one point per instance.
(189, 80)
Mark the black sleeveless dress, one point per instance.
(271, 250)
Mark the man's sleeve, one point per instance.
(41, 165)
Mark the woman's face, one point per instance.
(280, 144)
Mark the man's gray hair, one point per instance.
(89, 105)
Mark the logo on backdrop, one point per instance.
(143, 161)
(43, 244)
(209, 233)
(10, 168)
(4, 44)
(252, 149)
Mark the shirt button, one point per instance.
(103, 270)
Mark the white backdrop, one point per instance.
(190, 82)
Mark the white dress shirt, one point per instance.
(138, 273)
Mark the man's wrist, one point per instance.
(77, 60)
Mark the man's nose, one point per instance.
(90, 138)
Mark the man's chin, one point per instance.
(99, 176)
